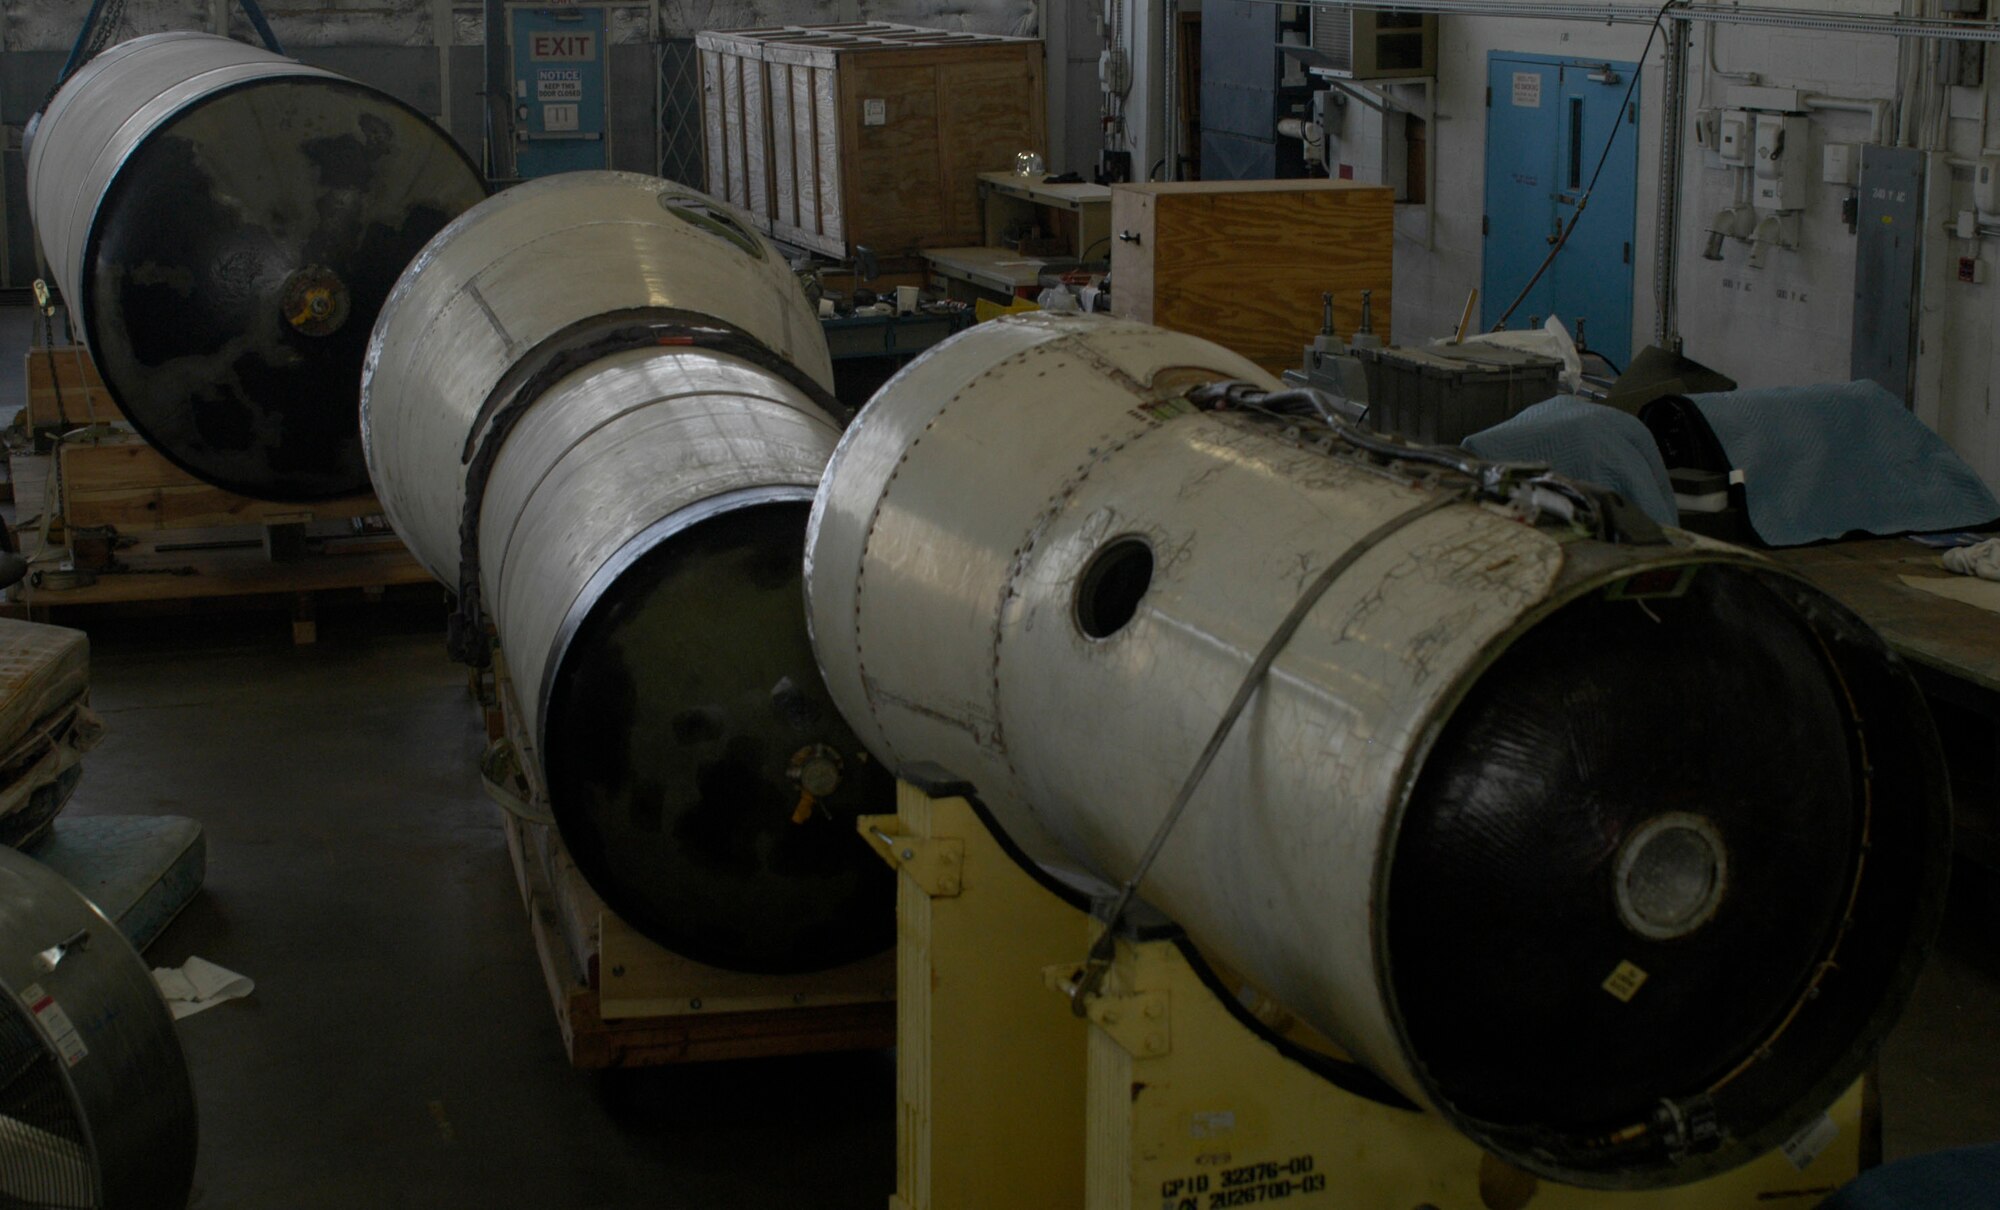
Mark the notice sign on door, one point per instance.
(559, 117)
(567, 48)
(1527, 90)
(559, 84)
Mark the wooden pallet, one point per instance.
(124, 482)
(240, 575)
(622, 1001)
(178, 568)
(64, 390)
(179, 540)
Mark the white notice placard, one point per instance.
(1527, 90)
(559, 84)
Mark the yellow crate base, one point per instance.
(1164, 1099)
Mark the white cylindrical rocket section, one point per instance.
(638, 499)
(521, 269)
(1035, 563)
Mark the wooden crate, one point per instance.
(836, 136)
(84, 398)
(123, 482)
(1244, 263)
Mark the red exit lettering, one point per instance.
(563, 46)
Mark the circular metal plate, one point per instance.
(688, 740)
(217, 238)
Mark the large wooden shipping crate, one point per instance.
(868, 134)
(1244, 263)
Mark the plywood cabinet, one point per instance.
(1244, 263)
(838, 136)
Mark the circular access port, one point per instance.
(1113, 583)
(1670, 876)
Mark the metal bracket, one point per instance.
(1137, 1021)
(935, 863)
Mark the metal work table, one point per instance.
(1947, 637)
(999, 271)
(1955, 649)
(850, 336)
(1007, 198)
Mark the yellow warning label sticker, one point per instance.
(1625, 981)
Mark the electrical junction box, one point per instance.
(1972, 270)
(1839, 165)
(1708, 129)
(1986, 184)
(1780, 166)
(1733, 138)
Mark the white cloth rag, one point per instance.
(1982, 560)
(199, 984)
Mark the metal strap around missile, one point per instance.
(1105, 948)
(554, 358)
(1603, 512)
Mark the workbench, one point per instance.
(1954, 649)
(902, 336)
(997, 271)
(1007, 199)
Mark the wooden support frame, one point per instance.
(122, 481)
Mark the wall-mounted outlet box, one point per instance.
(1986, 184)
(1839, 164)
(1733, 138)
(1707, 129)
(1781, 165)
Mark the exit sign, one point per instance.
(554, 47)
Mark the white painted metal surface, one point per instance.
(952, 542)
(941, 589)
(612, 461)
(517, 270)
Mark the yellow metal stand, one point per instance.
(1165, 1098)
(989, 1065)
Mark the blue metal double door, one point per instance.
(559, 88)
(1548, 120)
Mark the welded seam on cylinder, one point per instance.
(486, 309)
(1058, 503)
(560, 354)
(869, 693)
(499, 566)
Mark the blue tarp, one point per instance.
(1817, 462)
(1587, 441)
(1823, 461)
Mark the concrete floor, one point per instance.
(400, 1050)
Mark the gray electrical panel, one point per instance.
(1889, 239)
